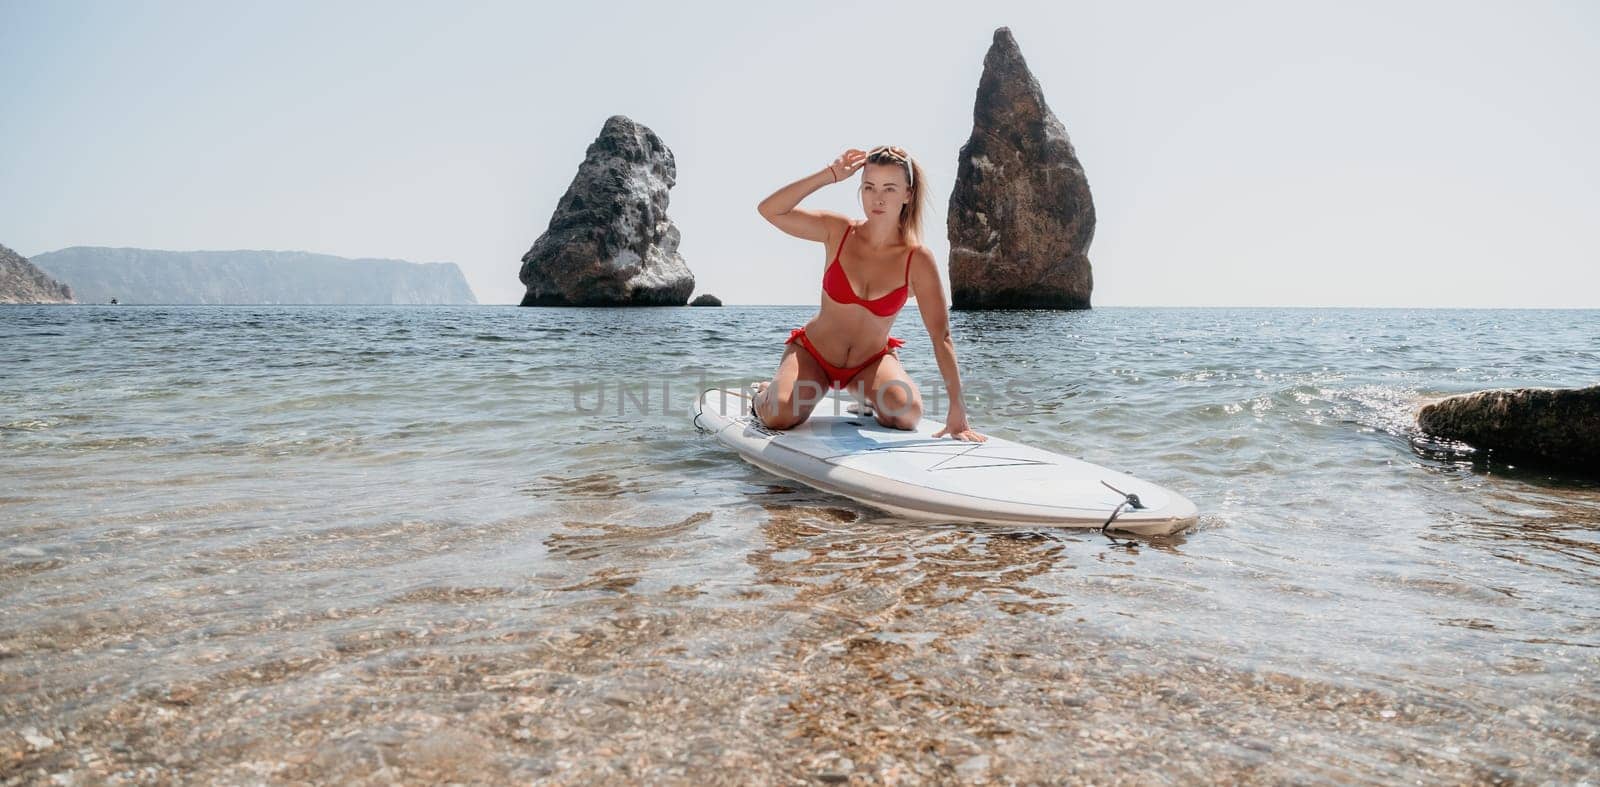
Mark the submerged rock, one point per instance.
(610, 242)
(23, 282)
(1021, 217)
(706, 299)
(1557, 427)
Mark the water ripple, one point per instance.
(226, 521)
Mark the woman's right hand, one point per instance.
(847, 163)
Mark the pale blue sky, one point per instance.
(1345, 154)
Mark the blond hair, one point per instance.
(911, 212)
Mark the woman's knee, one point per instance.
(898, 394)
(899, 407)
(786, 409)
(906, 421)
(781, 421)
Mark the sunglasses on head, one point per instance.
(893, 152)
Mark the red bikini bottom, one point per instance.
(840, 376)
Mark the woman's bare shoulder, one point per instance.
(837, 224)
(922, 266)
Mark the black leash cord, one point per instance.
(699, 411)
(1129, 501)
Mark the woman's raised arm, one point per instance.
(782, 207)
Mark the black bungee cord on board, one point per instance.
(1129, 501)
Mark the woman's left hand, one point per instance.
(957, 427)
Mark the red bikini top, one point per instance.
(837, 286)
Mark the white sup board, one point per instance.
(916, 475)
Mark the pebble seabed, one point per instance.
(812, 675)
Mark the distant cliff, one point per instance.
(96, 275)
(22, 282)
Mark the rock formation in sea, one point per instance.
(1556, 427)
(23, 282)
(610, 242)
(251, 277)
(706, 299)
(1021, 218)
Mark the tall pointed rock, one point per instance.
(610, 242)
(1021, 218)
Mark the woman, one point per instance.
(878, 263)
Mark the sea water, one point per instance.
(485, 543)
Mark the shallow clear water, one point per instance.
(247, 543)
